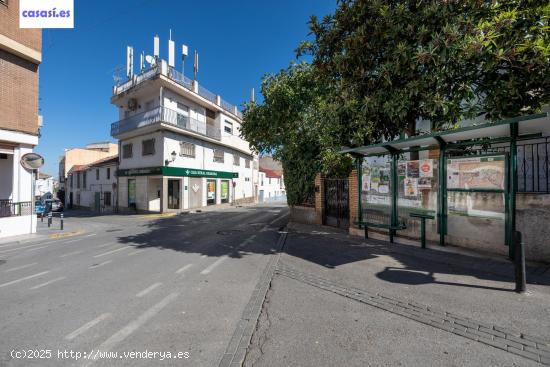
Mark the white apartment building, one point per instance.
(93, 186)
(180, 145)
(271, 186)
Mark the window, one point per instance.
(247, 163)
(182, 107)
(228, 127)
(72, 180)
(97, 174)
(108, 173)
(107, 198)
(269, 180)
(78, 180)
(218, 155)
(187, 149)
(148, 147)
(127, 150)
(84, 180)
(236, 160)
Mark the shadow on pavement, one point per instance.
(331, 250)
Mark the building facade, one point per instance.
(93, 186)
(271, 186)
(20, 57)
(44, 186)
(180, 145)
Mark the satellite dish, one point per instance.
(32, 161)
(150, 60)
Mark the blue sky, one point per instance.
(238, 42)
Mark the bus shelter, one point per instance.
(464, 178)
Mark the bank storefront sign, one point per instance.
(175, 171)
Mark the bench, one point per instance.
(365, 225)
(422, 217)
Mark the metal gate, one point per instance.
(336, 202)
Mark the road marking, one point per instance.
(100, 264)
(36, 248)
(123, 333)
(22, 279)
(148, 289)
(66, 234)
(209, 269)
(181, 270)
(71, 253)
(48, 282)
(87, 326)
(19, 267)
(278, 218)
(135, 252)
(107, 244)
(113, 251)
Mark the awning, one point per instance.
(527, 126)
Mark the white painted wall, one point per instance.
(139, 160)
(272, 187)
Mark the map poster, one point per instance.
(413, 169)
(476, 173)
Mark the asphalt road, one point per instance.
(134, 284)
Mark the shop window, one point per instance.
(148, 147)
(127, 150)
(218, 156)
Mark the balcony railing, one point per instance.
(11, 209)
(166, 116)
(179, 78)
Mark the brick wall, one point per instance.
(353, 198)
(9, 27)
(18, 93)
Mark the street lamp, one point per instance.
(173, 155)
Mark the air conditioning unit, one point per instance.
(132, 104)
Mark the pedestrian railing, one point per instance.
(11, 209)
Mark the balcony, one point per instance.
(179, 78)
(166, 116)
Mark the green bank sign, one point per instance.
(175, 171)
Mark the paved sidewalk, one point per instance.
(336, 299)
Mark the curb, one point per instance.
(235, 352)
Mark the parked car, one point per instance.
(39, 208)
(53, 205)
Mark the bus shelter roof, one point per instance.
(530, 125)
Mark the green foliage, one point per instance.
(380, 66)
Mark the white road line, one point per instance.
(181, 270)
(148, 289)
(87, 326)
(278, 218)
(100, 264)
(113, 251)
(106, 244)
(70, 253)
(209, 269)
(46, 283)
(22, 279)
(123, 333)
(36, 248)
(19, 267)
(135, 252)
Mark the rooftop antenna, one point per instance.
(117, 78)
(156, 47)
(184, 52)
(252, 95)
(171, 51)
(196, 64)
(129, 62)
(142, 62)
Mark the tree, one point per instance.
(393, 63)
